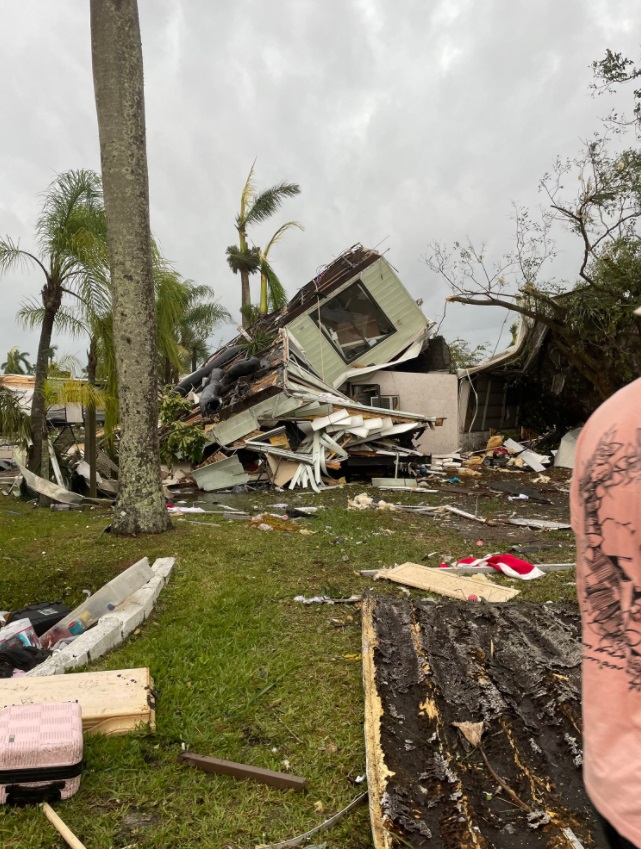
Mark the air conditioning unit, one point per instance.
(386, 402)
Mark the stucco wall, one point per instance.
(430, 394)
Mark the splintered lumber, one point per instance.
(262, 776)
(444, 583)
(378, 773)
(112, 703)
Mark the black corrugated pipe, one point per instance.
(241, 369)
(194, 380)
(219, 379)
(209, 400)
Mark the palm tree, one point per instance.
(17, 362)
(68, 225)
(201, 315)
(272, 291)
(14, 422)
(254, 208)
(120, 106)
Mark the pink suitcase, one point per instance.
(40, 752)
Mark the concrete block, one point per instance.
(164, 566)
(75, 658)
(47, 667)
(130, 613)
(145, 598)
(97, 640)
(156, 584)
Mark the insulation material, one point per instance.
(439, 581)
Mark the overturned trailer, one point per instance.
(308, 409)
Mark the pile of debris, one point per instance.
(273, 419)
(500, 453)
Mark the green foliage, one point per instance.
(463, 356)
(17, 362)
(14, 422)
(173, 407)
(183, 442)
(179, 440)
(239, 260)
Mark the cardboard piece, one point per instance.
(444, 583)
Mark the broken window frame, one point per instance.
(376, 313)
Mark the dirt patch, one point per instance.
(515, 668)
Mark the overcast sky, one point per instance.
(402, 121)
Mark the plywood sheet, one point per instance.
(112, 702)
(453, 586)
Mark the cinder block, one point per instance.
(105, 634)
(164, 566)
(75, 658)
(47, 667)
(156, 584)
(145, 598)
(131, 615)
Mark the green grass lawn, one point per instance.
(243, 672)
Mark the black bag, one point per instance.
(42, 615)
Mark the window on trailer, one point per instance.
(353, 321)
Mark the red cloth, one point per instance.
(508, 564)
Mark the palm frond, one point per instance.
(278, 235)
(239, 260)
(14, 421)
(13, 257)
(268, 202)
(31, 315)
(71, 391)
(276, 294)
(69, 194)
(246, 198)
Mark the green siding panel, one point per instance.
(383, 284)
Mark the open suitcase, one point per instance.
(40, 752)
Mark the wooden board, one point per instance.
(377, 771)
(254, 773)
(112, 702)
(454, 586)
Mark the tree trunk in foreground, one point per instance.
(118, 84)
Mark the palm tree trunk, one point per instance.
(118, 83)
(38, 407)
(263, 294)
(90, 420)
(245, 297)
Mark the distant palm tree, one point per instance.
(14, 422)
(201, 315)
(17, 362)
(71, 220)
(272, 291)
(254, 209)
